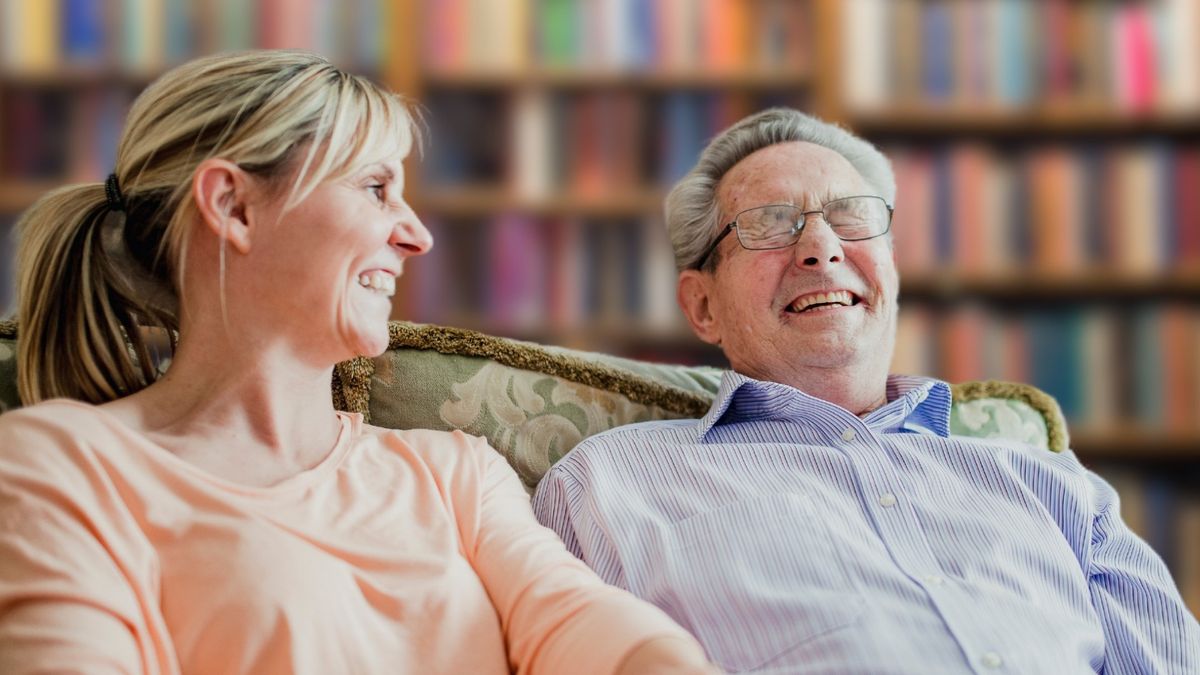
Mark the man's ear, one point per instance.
(220, 189)
(693, 293)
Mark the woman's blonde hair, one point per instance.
(91, 277)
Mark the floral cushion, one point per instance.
(534, 403)
(8, 374)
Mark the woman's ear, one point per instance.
(220, 190)
(692, 292)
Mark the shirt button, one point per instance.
(887, 500)
(992, 660)
(934, 580)
(848, 435)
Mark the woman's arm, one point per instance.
(557, 615)
(66, 601)
(667, 656)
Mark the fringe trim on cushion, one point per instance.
(352, 386)
(352, 379)
(532, 357)
(1057, 439)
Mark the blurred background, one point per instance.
(1047, 153)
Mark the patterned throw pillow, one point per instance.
(8, 367)
(534, 403)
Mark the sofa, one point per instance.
(534, 402)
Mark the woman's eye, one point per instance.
(380, 192)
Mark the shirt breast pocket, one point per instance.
(758, 577)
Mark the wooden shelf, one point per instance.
(556, 333)
(598, 79)
(1066, 120)
(486, 202)
(1099, 284)
(1136, 445)
(82, 76)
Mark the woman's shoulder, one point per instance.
(433, 440)
(56, 437)
(445, 450)
(58, 414)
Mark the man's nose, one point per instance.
(817, 245)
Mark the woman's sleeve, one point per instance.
(557, 615)
(66, 604)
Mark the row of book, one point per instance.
(665, 36)
(1105, 362)
(1051, 208)
(1107, 366)
(146, 36)
(56, 135)
(588, 144)
(1130, 56)
(1162, 506)
(1056, 209)
(521, 274)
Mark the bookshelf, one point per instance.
(559, 136)
(1048, 160)
(1047, 224)
(1035, 242)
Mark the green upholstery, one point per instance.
(534, 403)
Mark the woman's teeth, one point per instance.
(378, 281)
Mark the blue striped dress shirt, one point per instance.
(790, 535)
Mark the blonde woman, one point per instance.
(225, 518)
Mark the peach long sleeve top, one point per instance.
(402, 551)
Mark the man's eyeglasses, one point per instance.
(779, 225)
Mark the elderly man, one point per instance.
(820, 518)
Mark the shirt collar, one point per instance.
(914, 405)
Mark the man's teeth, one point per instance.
(834, 298)
(378, 281)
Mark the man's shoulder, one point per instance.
(638, 432)
(636, 439)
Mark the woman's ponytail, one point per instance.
(80, 321)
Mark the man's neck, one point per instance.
(859, 393)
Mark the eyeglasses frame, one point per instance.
(800, 230)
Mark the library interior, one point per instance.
(1047, 154)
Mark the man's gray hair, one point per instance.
(692, 212)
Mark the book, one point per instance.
(1179, 54)
(32, 36)
(915, 343)
(83, 30)
(913, 218)
(1134, 73)
(1186, 538)
(864, 39)
(1012, 55)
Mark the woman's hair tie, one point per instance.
(112, 193)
